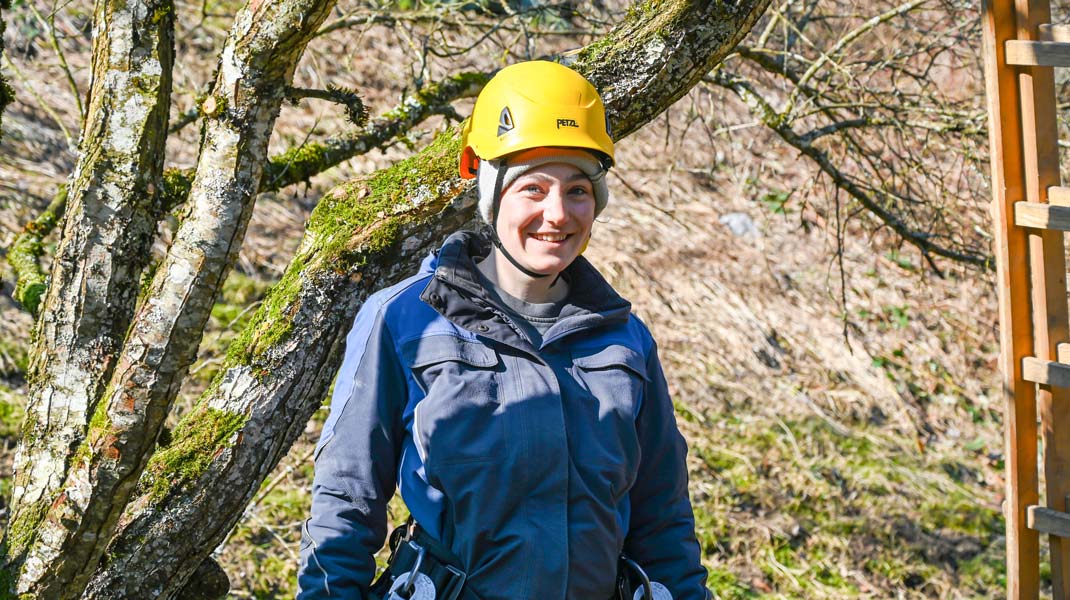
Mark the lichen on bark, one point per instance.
(111, 214)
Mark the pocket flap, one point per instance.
(610, 357)
(421, 352)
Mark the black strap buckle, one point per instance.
(412, 553)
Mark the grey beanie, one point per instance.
(581, 159)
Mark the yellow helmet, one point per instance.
(531, 105)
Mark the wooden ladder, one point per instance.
(1031, 211)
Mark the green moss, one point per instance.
(22, 529)
(176, 184)
(199, 437)
(297, 164)
(162, 12)
(147, 276)
(31, 279)
(351, 224)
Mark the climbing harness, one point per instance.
(420, 568)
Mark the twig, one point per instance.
(184, 119)
(41, 101)
(356, 112)
(50, 25)
(775, 121)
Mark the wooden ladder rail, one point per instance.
(1020, 49)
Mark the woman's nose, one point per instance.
(553, 207)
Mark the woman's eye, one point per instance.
(579, 190)
(531, 188)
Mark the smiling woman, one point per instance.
(509, 394)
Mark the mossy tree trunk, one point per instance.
(94, 355)
(112, 215)
(364, 235)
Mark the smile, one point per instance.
(550, 237)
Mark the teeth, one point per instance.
(549, 237)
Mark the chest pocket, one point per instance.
(613, 379)
(459, 418)
(615, 375)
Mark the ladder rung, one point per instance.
(1042, 216)
(1059, 195)
(1063, 352)
(1038, 54)
(1054, 33)
(1047, 520)
(1046, 372)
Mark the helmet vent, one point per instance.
(505, 121)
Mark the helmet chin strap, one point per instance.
(498, 180)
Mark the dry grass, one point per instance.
(845, 441)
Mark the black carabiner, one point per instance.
(648, 590)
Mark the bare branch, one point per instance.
(772, 119)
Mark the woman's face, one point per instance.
(545, 217)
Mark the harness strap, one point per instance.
(438, 563)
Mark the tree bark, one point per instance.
(110, 222)
(265, 43)
(6, 93)
(364, 235)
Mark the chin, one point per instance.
(549, 266)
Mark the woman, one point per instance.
(508, 392)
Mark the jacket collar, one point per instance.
(457, 294)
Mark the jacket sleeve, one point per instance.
(356, 465)
(661, 530)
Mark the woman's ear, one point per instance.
(469, 163)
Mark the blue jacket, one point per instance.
(536, 466)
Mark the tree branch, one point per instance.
(355, 109)
(289, 168)
(27, 250)
(308, 160)
(774, 120)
